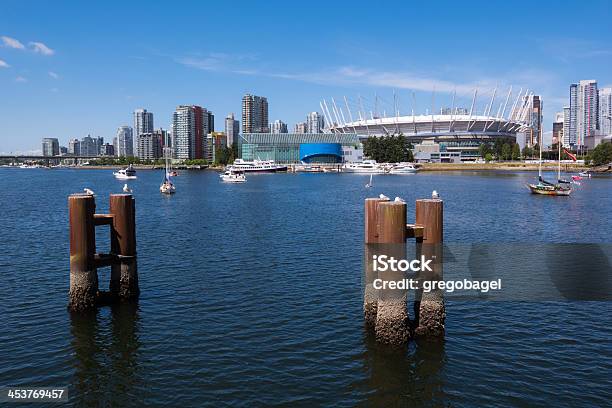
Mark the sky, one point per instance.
(69, 69)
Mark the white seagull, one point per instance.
(126, 189)
(399, 200)
(383, 197)
(89, 192)
(434, 194)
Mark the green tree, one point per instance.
(488, 157)
(602, 154)
(516, 151)
(527, 152)
(506, 152)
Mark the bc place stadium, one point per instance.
(451, 134)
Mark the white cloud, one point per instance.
(53, 75)
(4, 64)
(12, 43)
(41, 48)
(21, 79)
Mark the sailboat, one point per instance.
(561, 188)
(370, 184)
(167, 187)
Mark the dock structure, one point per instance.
(84, 260)
(386, 232)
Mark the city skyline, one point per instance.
(93, 85)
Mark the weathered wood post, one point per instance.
(83, 272)
(124, 274)
(392, 322)
(429, 307)
(370, 296)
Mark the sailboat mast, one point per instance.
(559, 169)
(540, 166)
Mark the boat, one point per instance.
(125, 174)
(366, 166)
(370, 184)
(543, 187)
(585, 174)
(310, 169)
(256, 166)
(403, 168)
(233, 176)
(167, 186)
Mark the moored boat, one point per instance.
(256, 166)
(403, 168)
(366, 166)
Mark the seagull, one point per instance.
(89, 192)
(434, 194)
(383, 197)
(126, 189)
(399, 200)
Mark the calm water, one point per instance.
(251, 295)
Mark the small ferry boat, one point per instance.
(403, 168)
(256, 166)
(233, 176)
(126, 174)
(366, 166)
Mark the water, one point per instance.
(251, 295)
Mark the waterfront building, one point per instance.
(232, 129)
(557, 130)
(125, 142)
(74, 147)
(50, 147)
(314, 123)
(605, 111)
(189, 127)
(289, 148)
(210, 121)
(587, 114)
(107, 149)
(164, 137)
(143, 122)
(148, 146)
(573, 124)
(63, 150)
(214, 142)
(534, 130)
(254, 114)
(278, 126)
(566, 125)
(300, 128)
(90, 146)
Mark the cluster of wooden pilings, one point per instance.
(386, 232)
(85, 261)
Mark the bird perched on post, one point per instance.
(399, 200)
(126, 189)
(434, 194)
(89, 192)
(383, 197)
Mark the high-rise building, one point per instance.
(232, 129)
(605, 111)
(189, 129)
(278, 126)
(314, 123)
(300, 128)
(214, 141)
(148, 146)
(125, 142)
(210, 121)
(534, 132)
(566, 125)
(254, 114)
(50, 147)
(74, 147)
(588, 113)
(573, 116)
(90, 146)
(557, 130)
(143, 122)
(107, 149)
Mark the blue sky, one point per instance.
(68, 69)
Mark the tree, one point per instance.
(388, 149)
(602, 154)
(516, 151)
(506, 152)
(527, 152)
(488, 157)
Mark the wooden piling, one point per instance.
(370, 297)
(83, 272)
(124, 274)
(429, 309)
(392, 321)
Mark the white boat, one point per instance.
(125, 174)
(256, 166)
(403, 168)
(585, 174)
(167, 187)
(366, 166)
(232, 176)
